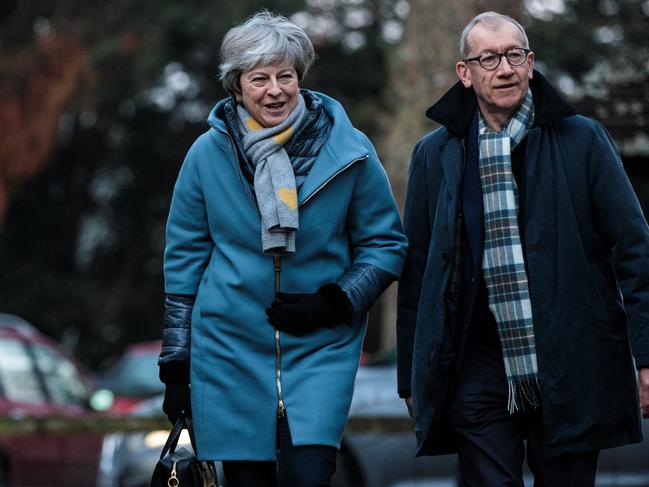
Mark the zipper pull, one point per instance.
(281, 410)
(173, 479)
(277, 265)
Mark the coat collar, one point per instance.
(456, 107)
(344, 146)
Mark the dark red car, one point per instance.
(38, 379)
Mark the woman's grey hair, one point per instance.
(263, 39)
(490, 20)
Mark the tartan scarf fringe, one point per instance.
(524, 394)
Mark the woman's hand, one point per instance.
(176, 400)
(175, 375)
(299, 314)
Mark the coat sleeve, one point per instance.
(187, 253)
(618, 216)
(376, 237)
(176, 339)
(189, 244)
(417, 229)
(363, 284)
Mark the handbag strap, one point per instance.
(174, 435)
(190, 429)
(183, 421)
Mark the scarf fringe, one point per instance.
(524, 394)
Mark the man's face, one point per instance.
(500, 91)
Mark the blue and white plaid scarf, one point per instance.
(503, 264)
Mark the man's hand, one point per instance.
(643, 391)
(409, 405)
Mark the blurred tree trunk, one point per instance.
(421, 70)
(44, 79)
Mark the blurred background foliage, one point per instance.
(99, 102)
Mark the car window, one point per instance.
(136, 376)
(62, 378)
(18, 378)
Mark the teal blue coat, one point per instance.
(347, 216)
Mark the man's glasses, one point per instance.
(491, 60)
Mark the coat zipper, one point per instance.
(281, 410)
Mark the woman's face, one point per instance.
(269, 93)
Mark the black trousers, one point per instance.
(296, 466)
(492, 443)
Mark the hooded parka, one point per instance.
(348, 217)
(586, 244)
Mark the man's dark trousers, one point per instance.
(489, 440)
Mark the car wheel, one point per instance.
(348, 473)
(4, 472)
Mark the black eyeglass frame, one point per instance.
(500, 57)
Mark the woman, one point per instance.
(281, 234)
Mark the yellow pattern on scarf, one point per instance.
(279, 139)
(253, 124)
(289, 197)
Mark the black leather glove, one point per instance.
(177, 399)
(175, 375)
(174, 372)
(299, 314)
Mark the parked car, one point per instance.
(378, 457)
(38, 379)
(134, 377)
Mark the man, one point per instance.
(527, 281)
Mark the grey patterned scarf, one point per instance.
(274, 180)
(503, 263)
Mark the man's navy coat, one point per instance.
(587, 255)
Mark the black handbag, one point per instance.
(181, 468)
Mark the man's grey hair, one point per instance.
(263, 39)
(489, 20)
